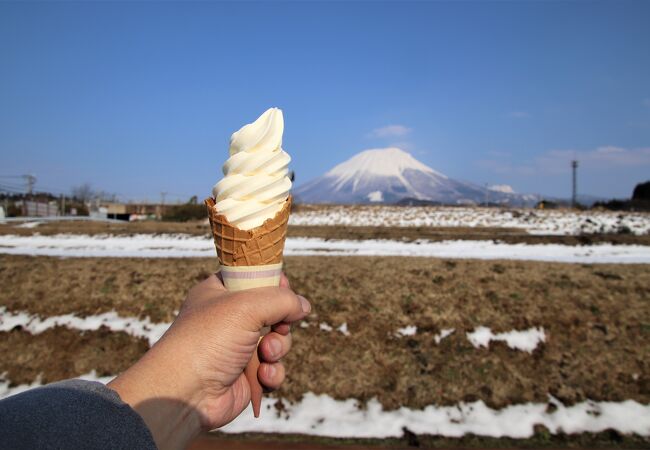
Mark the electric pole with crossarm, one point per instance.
(574, 195)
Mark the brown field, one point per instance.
(507, 235)
(263, 441)
(542, 440)
(596, 318)
(67, 354)
(201, 228)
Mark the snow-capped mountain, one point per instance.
(505, 188)
(388, 175)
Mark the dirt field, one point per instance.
(252, 441)
(61, 353)
(597, 321)
(201, 228)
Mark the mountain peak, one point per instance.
(505, 188)
(388, 175)
(387, 162)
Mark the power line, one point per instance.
(12, 187)
(10, 190)
(4, 183)
(30, 180)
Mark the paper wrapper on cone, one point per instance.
(249, 258)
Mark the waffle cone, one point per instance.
(260, 246)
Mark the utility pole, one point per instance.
(63, 204)
(574, 195)
(161, 212)
(487, 195)
(31, 181)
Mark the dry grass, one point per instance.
(61, 353)
(542, 439)
(596, 317)
(85, 286)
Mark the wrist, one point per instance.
(163, 398)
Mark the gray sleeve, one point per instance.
(71, 414)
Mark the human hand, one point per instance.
(197, 366)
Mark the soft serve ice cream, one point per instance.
(256, 185)
(249, 215)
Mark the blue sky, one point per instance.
(139, 98)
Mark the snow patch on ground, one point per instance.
(601, 253)
(29, 225)
(183, 246)
(444, 333)
(408, 330)
(324, 326)
(555, 222)
(343, 329)
(130, 325)
(525, 340)
(321, 415)
(80, 245)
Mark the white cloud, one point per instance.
(519, 114)
(558, 161)
(390, 131)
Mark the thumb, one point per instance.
(205, 292)
(270, 305)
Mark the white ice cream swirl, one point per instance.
(255, 184)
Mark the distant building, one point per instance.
(38, 209)
(127, 211)
(546, 204)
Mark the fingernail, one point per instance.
(306, 306)
(270, 370)
(275, 347)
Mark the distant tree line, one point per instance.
(640, 200)
(192, 210)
